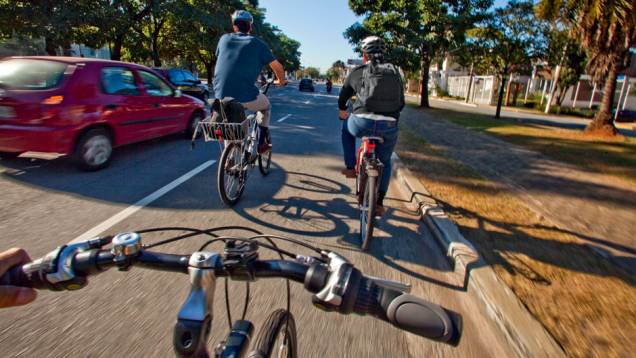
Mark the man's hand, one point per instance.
(343, 115)
(11, 295)
(280, 82)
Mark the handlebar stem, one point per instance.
(195, 316)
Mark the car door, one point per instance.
(167, 113)
(122, 103)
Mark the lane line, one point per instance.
(120, 216)
(284, 118)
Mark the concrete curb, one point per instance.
(526, 336)
(458, 102)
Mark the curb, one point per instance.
(525, 335)
(461, 103)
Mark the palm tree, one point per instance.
(607, 30)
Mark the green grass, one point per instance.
(614, 156)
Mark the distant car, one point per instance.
(306, 84)
(186, 82)
(85, 107)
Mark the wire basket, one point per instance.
(217, 131)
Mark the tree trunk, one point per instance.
(117, 44)
(508, 87)
(557, 74)
(603, 123)
(470, 82)
(501, 93)
(50, 47)
(209, 69)
(155, 52)
(426, 64)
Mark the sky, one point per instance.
(318, 26)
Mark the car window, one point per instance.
(25, 74)
(155, 86)
(188, 76)
(175, 76)
(119, 81)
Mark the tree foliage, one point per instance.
(417, 32)
(606, 31)
(180, 32)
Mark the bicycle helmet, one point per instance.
(242, 15)
(373, 45)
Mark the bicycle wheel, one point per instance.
(231, 174)
(277, 338)
(264, 162)
(367, 212)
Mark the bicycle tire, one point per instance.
(367, 217)
(265, 164)
(222, 175)
(277, 322)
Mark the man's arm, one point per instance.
(278, 69)
(346, 92)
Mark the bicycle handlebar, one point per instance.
(336, 286)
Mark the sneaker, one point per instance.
(349, 173)
(262, 148)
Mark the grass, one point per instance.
(586, 303)
(613, 156)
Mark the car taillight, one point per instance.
(53, 100)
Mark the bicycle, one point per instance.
(239, 144)
(368, 172)
(336, 285)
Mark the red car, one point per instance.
(85, 107)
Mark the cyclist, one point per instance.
(240, 59)
(11, 295)
(379, 91)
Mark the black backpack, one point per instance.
(228, 110)
(382, 90)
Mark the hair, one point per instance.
(243, 26)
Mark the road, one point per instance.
(49, 203)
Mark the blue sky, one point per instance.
(318, 25)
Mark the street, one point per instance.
(123, 314)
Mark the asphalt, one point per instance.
(44, 204)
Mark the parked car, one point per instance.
(85, 107)
(306, 84)
(186, 82)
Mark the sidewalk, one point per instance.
(534, 220)
(599, 209)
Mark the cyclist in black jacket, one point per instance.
(376, 110)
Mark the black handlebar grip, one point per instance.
(407, 312)
(28, 275)
(424, 318)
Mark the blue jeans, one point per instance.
(361, 127)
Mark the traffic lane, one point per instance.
(132, 313)
(48, 203)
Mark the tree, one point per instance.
(567, 53)
(195, 30)
(511, 39)
(607, 30)
(416, 31)
(311, 72)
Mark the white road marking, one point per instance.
(307, 102)
(284, 118)
(120, 216)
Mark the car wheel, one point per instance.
(94, 150)
(9, 155)
(192, 125)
